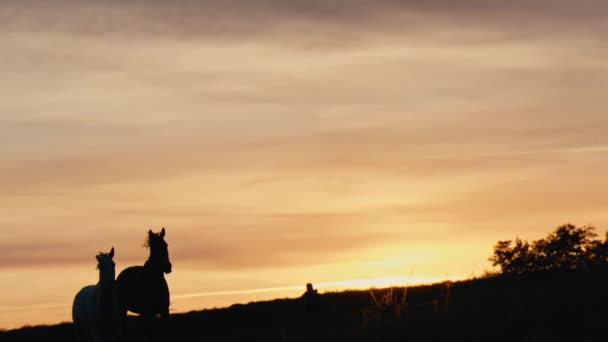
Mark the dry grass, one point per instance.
(387, 307)
(390, 307)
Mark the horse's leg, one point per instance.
(149, 327)
(107, 329)
(166, 324)
(165, 314)
(79, 332)
(95, 331)
(122, 324)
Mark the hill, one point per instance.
(557, 306)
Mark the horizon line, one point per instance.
(343, 285)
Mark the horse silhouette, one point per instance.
(93, 310)
(143, 289)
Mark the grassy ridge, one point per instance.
(569, 306)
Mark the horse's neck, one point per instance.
(105, 286)
(106, 297)
(152, 270)
(106, 291)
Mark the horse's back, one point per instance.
(83, 308)
(128, 281)
(128, 274)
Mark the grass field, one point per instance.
(544, 307)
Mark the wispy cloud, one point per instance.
(588, 149)
(353, 284)
(219, 18)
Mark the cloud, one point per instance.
(220, 19)
(246, 251)
(195, 114)
(46, 252)
(210, 241)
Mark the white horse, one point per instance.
(94, 308)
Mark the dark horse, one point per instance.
(143, 289)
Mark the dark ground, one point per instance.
(541, 307)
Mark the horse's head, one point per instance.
(159, 254)
(106, 266)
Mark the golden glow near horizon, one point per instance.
(286, 142)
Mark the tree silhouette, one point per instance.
(567, 248)
(598, 253)
(514, 258)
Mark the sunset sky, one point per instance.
(348, 143)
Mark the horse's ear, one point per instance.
(162, 233)
(98, 257)
(150, 233)
(112, 252)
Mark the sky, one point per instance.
(344, 143)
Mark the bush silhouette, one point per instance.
(567, 248)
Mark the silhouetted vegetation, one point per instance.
(562, 297)
(567, 248)
(563, 306)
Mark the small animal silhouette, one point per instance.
(311, 300)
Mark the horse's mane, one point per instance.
(147, 242)
(101, 255)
